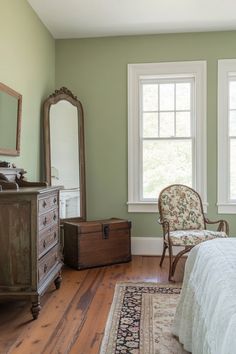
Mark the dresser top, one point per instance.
(30, 190)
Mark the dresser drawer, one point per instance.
(47, 203)
(47, 262)
(47, 239)
(48, 219)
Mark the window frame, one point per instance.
(136, 72)
(226, 70)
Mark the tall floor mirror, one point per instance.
(64, 151)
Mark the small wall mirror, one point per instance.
(10, 121)
(64, 151)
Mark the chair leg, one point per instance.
(177, 257)
(170, 262)
(163, 254)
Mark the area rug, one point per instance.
(140, 320)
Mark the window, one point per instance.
(166, 130)
(226, 136)
(166, 134)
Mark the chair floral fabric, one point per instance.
(183, 222)
(181, 207)
(193, 237)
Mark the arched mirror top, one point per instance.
(64, 94)
(64, 151)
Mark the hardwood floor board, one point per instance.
(13, 314)
(134, 270)
(76, 314)
(89, 342)
(152, 270)
(73, 319)
(36, 333)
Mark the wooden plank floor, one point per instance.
(72, 319)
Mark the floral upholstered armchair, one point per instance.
(183, 222)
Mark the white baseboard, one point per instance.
(149, 246)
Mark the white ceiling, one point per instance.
(97, 18)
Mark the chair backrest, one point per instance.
(182, 207)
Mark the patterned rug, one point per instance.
(140, 320)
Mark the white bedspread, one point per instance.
(205, 319)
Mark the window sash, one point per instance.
(141, 173)
(142, 138)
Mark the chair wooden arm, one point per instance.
(223, 225)
(163, 222)
(165, 227)
(160, 221)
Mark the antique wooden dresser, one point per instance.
(29, 243)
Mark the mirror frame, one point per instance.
(18, 96)
(64, 94)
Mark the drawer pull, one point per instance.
(44, 244)
(45, 268)
(55, 200)
(45, 221)
(55, 235)
(54, 217)
(44, 204)
(55, 258)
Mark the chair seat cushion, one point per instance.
(193, 237)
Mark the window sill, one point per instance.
(150, 207)
(226, 208)
(142, 207)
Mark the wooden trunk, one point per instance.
(95, 243)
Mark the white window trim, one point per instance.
(226, 67)
(177, 69)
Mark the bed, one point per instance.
(205, 319)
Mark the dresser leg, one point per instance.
(35, 309)
(57, 281)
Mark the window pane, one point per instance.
(232, 169)
(150, 97)
(183, 96)
(183, 124)
(166, 97)
(150, 124)
(232, 94)
(167, 124)
(164, 163)
(232, 123)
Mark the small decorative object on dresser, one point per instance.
(95, 243)
(29, 236)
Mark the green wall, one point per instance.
(27, 65)
(96, 70)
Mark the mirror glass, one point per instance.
(64, 151)
(10, 118)
(65, 156)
